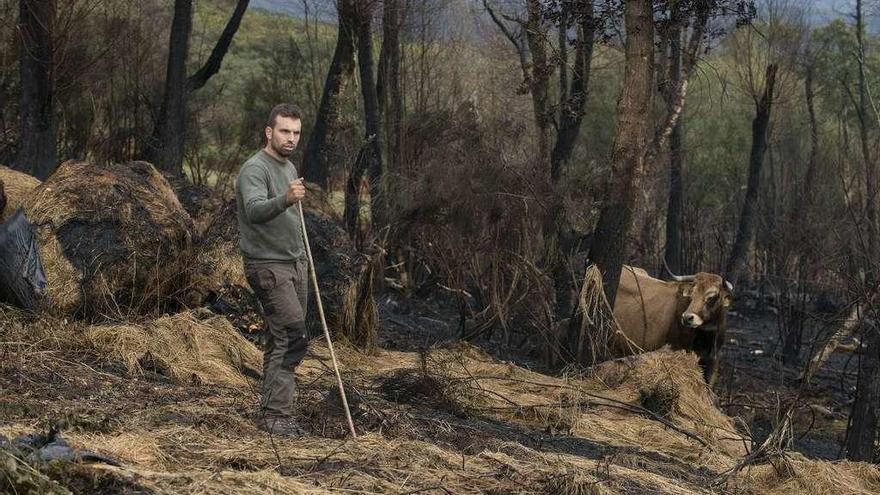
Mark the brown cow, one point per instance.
(652, 313)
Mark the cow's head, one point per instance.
(710, 296)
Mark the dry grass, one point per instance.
(520, 431)
(220, 264)
(114, 239)
(182, 347)
(804, 476)
(18, 187)
(594, 335)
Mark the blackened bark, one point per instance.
(372, 162)
(215, 60)
(165, 147)
(388, 85)
(166, 144)
(36, 149)
(746, 229)
(572, 108)
(675, 201)
(862, 430)
(562, 54)
(536, 37)
(631, 141)
(319, 151)
(571, 115)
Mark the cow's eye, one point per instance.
(711, 299)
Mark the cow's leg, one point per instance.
(704, 346)
(707, 345)
(712, 370)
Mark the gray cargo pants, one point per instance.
(282, 289)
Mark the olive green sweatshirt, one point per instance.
(269, 229)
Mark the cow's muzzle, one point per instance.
(691, 320)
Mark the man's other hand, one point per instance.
(296, 191)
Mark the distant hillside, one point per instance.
(325, 9)
(821, 11)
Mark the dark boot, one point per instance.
(282, 426)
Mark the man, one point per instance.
(267, 191)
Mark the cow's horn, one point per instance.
(678, 278)
(728, 285)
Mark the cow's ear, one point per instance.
(726, 300)
(686, 289)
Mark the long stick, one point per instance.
(302, 222)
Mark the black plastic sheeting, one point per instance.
(22, 279)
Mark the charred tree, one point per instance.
(372, 112)
(369, 160)
(319, 150)
(675, 198)
(745, 231)
(388, 84)
(36, 149)
(631, 141)
(165, 147)
(571, 112)
(862, 431)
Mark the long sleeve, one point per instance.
(259, 208)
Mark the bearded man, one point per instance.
(267, 191)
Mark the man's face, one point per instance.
(284, 137)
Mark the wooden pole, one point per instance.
(302, 221)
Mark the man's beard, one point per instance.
(282, 151)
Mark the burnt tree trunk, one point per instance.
(388, 85)
(630, 146)
(675, 201)
(166, 145)
(169, 133)
(862, 430)
(36, 149)
(572, 107)
(372, 112)
(536, 38)
(570, 119)
(370, 159)
(321, 145)
(746, 229)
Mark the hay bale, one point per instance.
(16, 186)
(670, 384)
(804, 476)
(114, 238)
(181, 347)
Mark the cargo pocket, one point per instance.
(262, 278)
(266, 279)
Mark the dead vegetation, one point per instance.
(445, 420)
(16, 186)
(114, 239)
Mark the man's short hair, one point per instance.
(288, 110)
